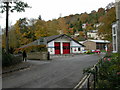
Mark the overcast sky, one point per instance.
(52, 9)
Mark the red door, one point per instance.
(66, 48)
(57, 48)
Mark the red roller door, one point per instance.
(57, 48)
(66, 48)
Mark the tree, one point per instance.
(78, 25)
(23, 31)
(62, 26)
(93, 17)
(31, 27)
(52, 27)
(13, 41)
(110, 5)
(40, 29)
(105, 29)
(39, 17)
(5, 7)
(84, 17)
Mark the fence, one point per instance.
(89, 81)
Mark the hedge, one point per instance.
(9, 59)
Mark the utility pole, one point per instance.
(7, 37)
(19, 7)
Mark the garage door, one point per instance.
(57, 47)
(66, 48)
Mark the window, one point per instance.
(50, 49)
(41, 40)
(115, 47)
(114, 30)
(97, 46)
(79, 49)
(114, 43)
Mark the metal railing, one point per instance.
(88, 82)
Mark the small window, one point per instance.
(50, 49)
(79, 49)
(41, 40)
(114, 30)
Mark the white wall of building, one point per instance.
(92, 35)
(61, 40)
(51, 48)
(73, 46)
(76, 48)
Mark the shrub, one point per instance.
(109, 72)
(9, 59)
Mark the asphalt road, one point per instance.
(61, 72)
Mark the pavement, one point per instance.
(17, 67)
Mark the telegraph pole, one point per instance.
(7, 38)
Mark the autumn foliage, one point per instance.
(26, 30)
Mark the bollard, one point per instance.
(96, 72)
(94, 81)
(88, 85)
(48, 56)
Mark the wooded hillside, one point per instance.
(26, 30)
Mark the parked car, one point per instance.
(97, 51)
(84, 51)
(93, 50)
(89, 51)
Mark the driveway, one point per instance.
(61, 72)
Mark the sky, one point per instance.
(53, 9)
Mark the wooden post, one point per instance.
(88, 84)
(94, 80)
(96, 73)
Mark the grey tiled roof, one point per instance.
(48, 39)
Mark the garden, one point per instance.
(106, 72)
(109, 72)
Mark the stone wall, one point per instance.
(90, 45)
(38, 56)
